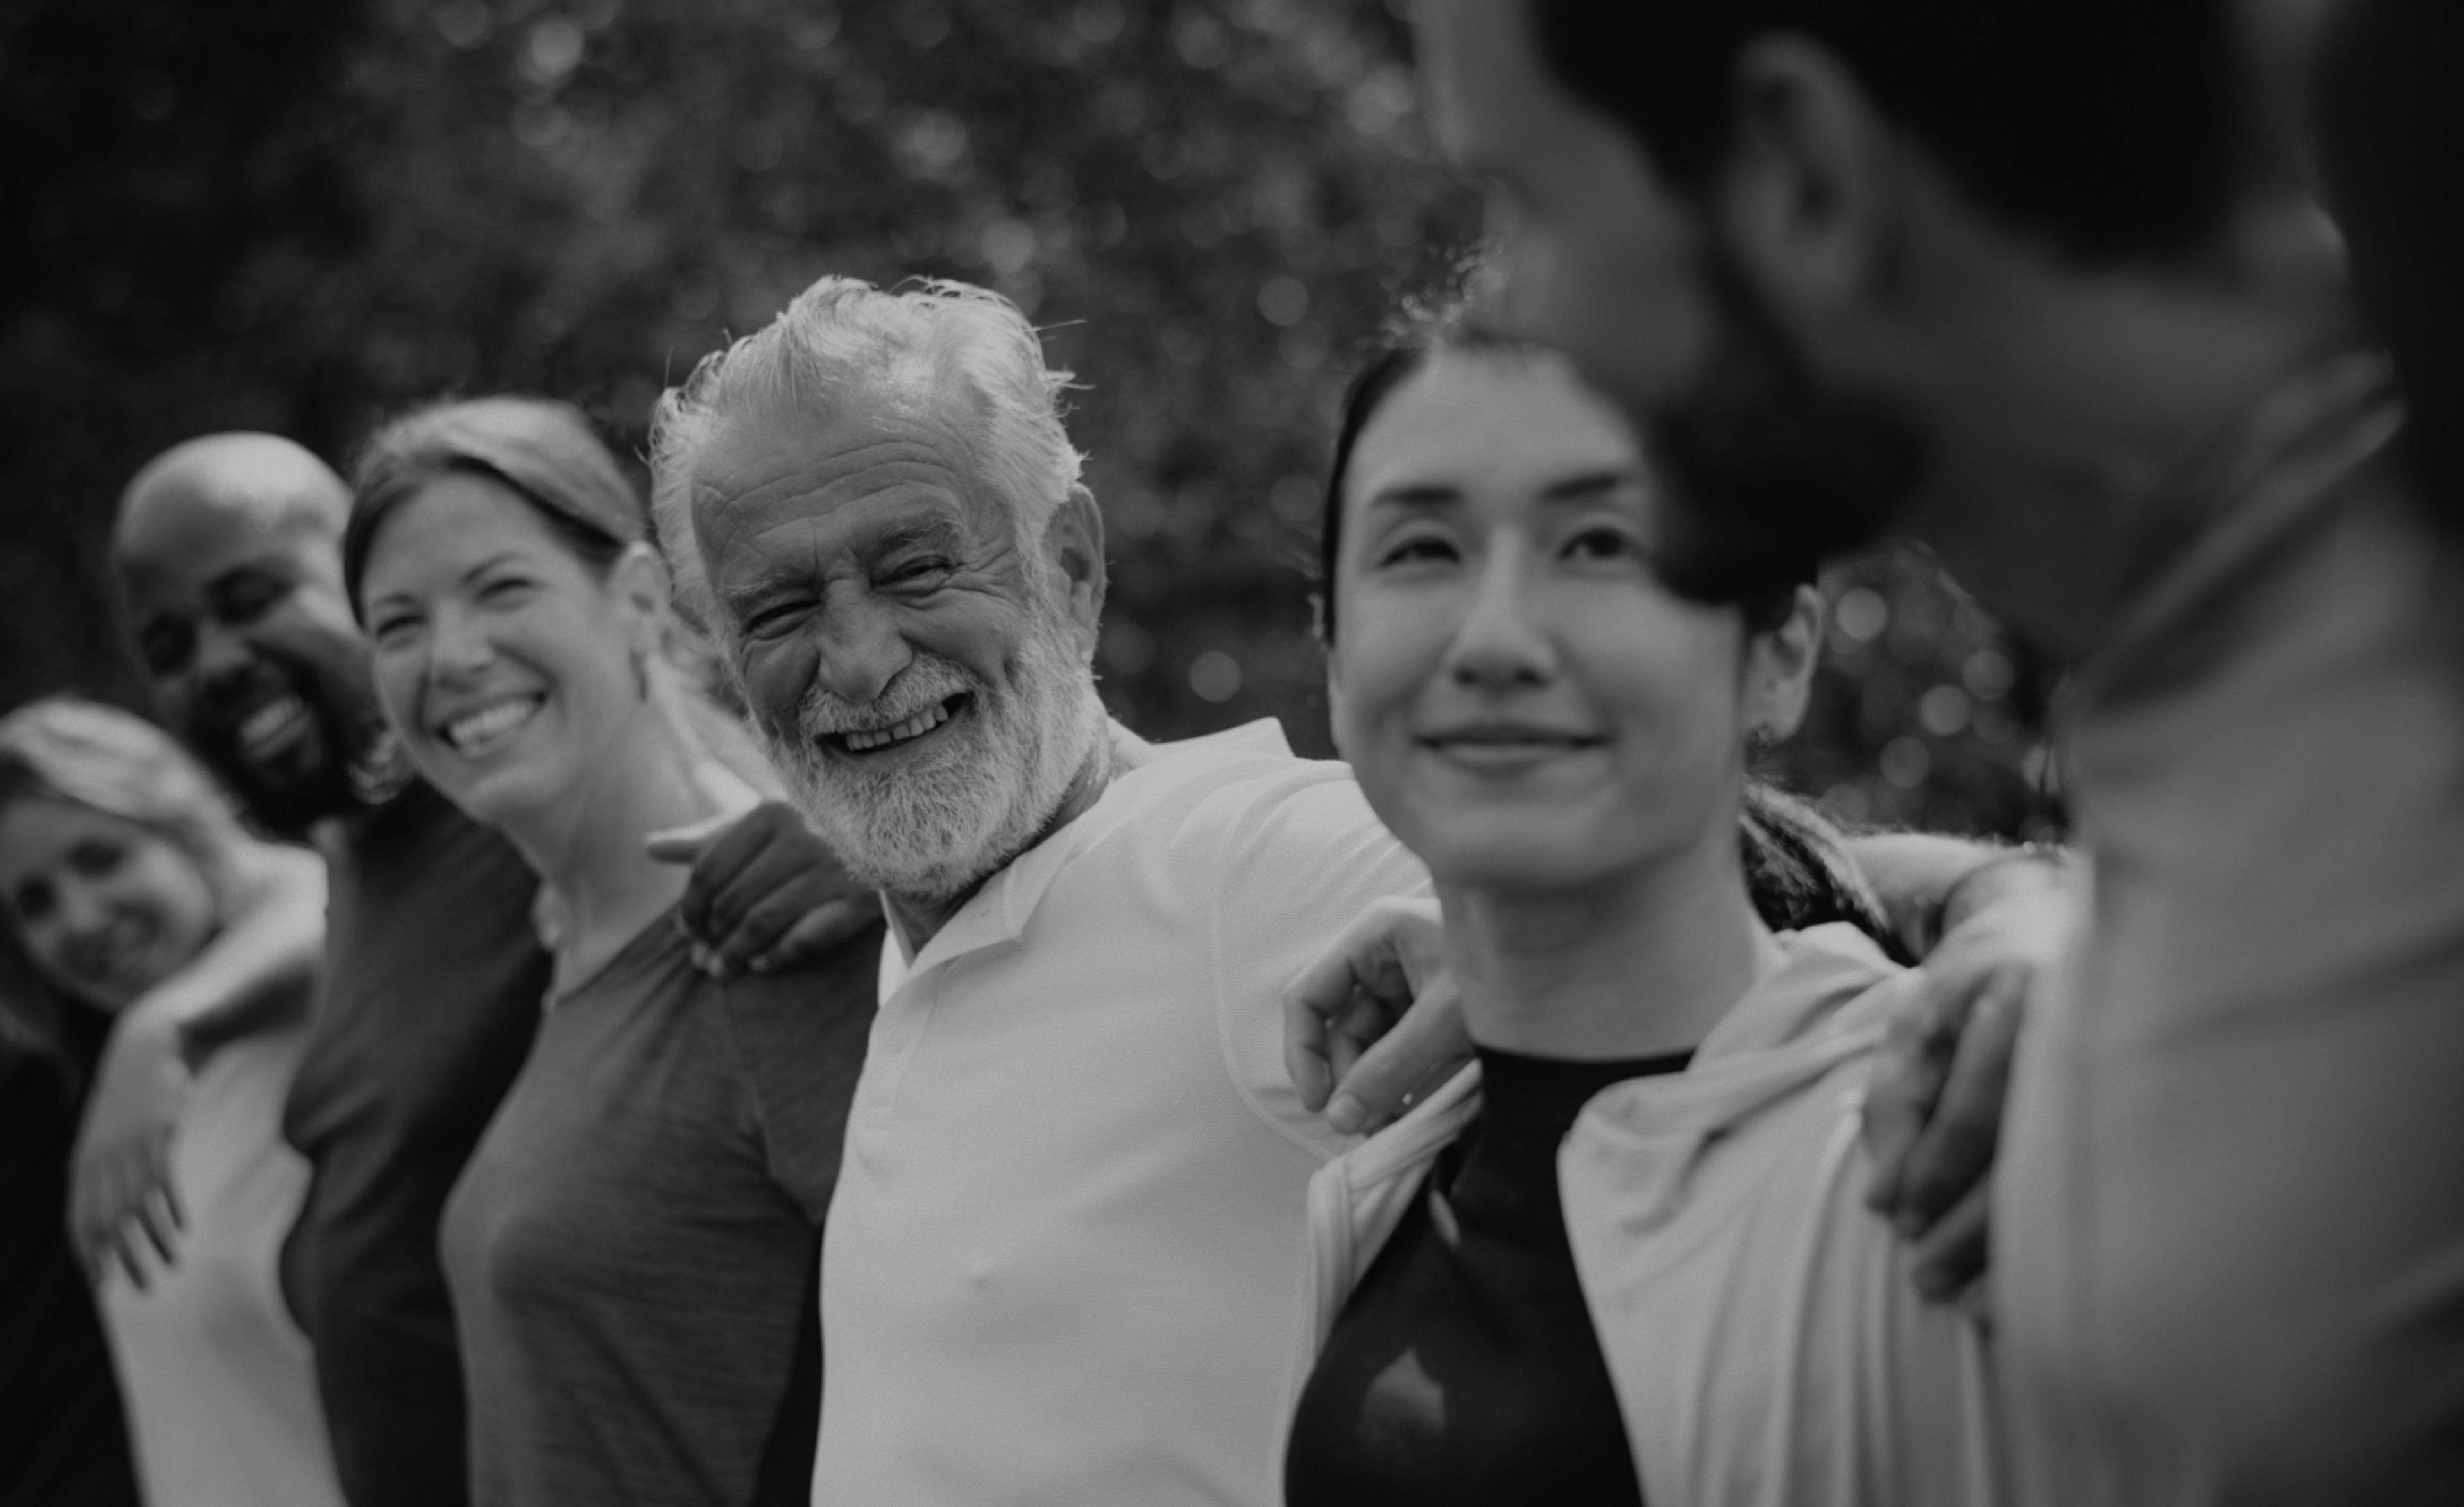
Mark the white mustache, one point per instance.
(928, 682)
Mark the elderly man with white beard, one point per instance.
(1067, 1244)
(1067, 1248)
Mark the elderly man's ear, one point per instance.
(1073, 541)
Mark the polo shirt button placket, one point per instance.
(898, 1039)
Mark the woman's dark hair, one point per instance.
(1797, 870)
(1408, 346)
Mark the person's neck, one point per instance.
(1640, 964)
(1113, 752)
(600, 882)
(2069, 401)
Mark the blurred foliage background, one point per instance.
(297, 215)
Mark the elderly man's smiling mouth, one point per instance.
(874, 742)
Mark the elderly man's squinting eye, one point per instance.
(777, 618)
(922, 571)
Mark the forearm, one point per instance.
(1928, 883)
(260, 969)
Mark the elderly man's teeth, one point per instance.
(491, 724)
(915, 726)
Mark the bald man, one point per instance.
(228, 553)
(228, 560)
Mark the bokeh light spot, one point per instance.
(1282, 300)
(1905, 763)
(1215, 676)
(1943, 710)
(1861, 615)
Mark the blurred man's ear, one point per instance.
(1779, 668)
(1073, 541)
(1811, 189)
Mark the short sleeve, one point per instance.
(1299, 864)
(798, 1040)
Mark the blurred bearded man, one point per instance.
(228, 553)
(229, 556)
(1067, 1250)
(2035, 281)
(247, 657)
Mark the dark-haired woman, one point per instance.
(1625, 1257)
(633, 1247)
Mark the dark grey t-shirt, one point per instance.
(634, 1248)
(432, 980)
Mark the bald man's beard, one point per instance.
(348, 760)
(930, 829)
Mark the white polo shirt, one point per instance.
(1066, 1252)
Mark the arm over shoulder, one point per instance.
(798, 1037)
(1298, 861)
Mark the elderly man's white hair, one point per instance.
(842, 343)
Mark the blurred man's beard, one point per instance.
(353, 761)
(1770, 471)
(932, 828)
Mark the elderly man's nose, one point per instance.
(861, 653)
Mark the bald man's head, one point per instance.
(228, 555)
(272, 483)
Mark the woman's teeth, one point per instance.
(476, 732)
(271, 725)
(915, 726)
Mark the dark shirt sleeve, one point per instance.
(798, 1037)
(63, 1442)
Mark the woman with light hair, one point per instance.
(633, 1247)
(120, 864)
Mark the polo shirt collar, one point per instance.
(999, 911)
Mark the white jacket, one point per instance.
(1761, 1328)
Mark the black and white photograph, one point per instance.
(1232, 753)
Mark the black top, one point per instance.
(1464, 1368)
(62, 1440)
(434, 978)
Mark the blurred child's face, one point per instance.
(106, 908)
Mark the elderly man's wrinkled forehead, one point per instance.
(906, 433)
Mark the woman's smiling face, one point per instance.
(1523, 701)
(106, 907)
(503, 660)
